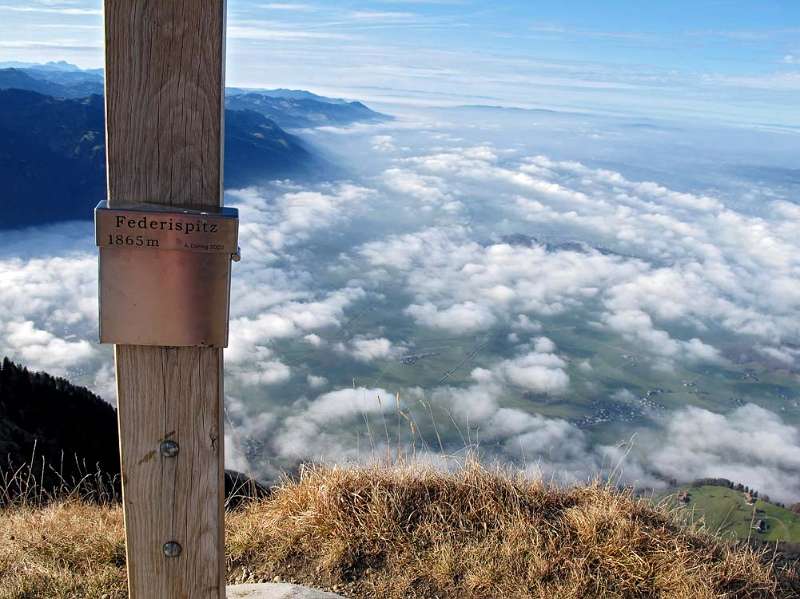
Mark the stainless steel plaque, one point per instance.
(165, 275)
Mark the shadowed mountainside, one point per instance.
(45, 418)
(53, 433)
(298, 109)
(52, 155)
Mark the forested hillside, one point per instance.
(63, 430)
(52, 155)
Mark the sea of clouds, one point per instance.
(420, 230)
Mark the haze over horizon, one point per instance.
(732, 60)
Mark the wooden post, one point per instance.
(164, 131)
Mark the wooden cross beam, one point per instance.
(164, 131)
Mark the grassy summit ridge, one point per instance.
(410, 531)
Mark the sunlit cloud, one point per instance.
(548, 276)
(288, 6)
(258, 32)
(374, 15)
(60, 10)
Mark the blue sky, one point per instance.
(727, 59)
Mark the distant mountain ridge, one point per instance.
(52, 155)
(52, 66)
(291, 94)
(59, 84)
(301, 109)
(286, 107)
(52, 139)
(293, 108)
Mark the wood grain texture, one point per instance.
(175, 394)
(164, 128)
(164, 101)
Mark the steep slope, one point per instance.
(52, 155)
(53, 433)
(257, 149)
(47, 418)
(298, 109)
(727, 512)
(52, 162)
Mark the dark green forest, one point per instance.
(53, 434)
(63, 431)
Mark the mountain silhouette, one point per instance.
(52, 155)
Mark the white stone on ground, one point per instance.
(276, 590)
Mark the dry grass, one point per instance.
(70, 549)
(38, 483)
(411, 532)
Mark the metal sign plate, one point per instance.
(165, 275)
(155, 228)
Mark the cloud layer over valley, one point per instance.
(465, 289)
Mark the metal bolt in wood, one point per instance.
(172, 549)
(169, 449)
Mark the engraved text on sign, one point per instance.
(165, 275)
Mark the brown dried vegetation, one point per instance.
(412, 532)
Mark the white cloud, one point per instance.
(40, 349)
(543, 345)
(750, 445)
(523, 323)
(242, 431)
(274, 224)
(381, 16)
(259, 373)
(701, 262)
(367, 350)
(52, 45)
(315, 432)
(383, 143)
(263, 32)
(687, 275)
(60, 10)
(249, 334)
(428, 190)
(49, 311)
(464, 317)
(314, 339)
(538, 372)
(315, 382)
(776, 82)
(288, 6)
(786, 355)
